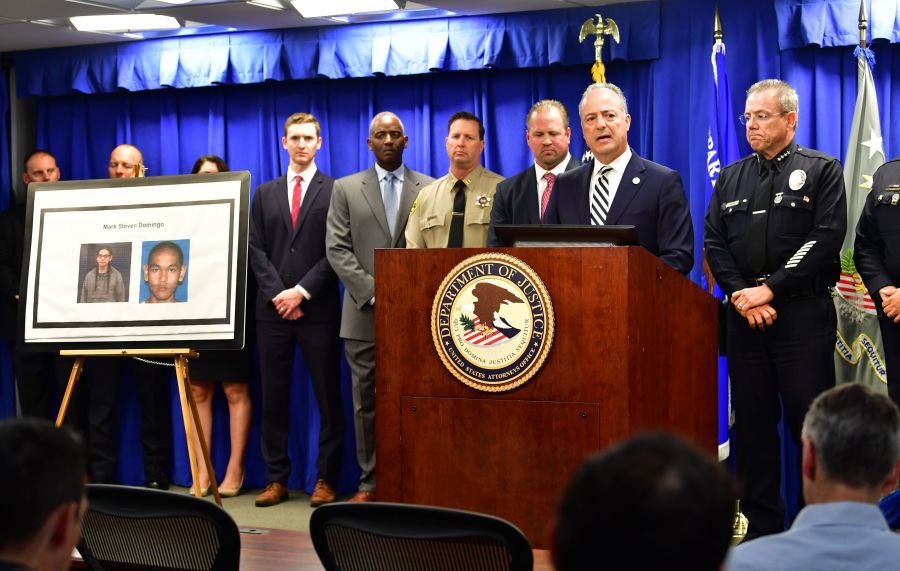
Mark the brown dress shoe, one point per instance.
(362, 497)
(323, 494)
(275, 493)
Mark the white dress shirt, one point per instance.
(613, 177)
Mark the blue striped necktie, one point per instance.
(600, 198)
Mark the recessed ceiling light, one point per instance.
(270, 4)
(319, 9)
(124, 23)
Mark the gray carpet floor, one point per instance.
(292, 514)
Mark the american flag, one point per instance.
(855, 292)
(484, 336)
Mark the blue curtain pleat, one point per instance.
(7, 381)
(830, 23)
(531, 39)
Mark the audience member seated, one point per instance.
(652, 502)
(851, 457)
(42, 472)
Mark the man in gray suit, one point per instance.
(368, 210)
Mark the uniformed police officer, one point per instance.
(455, 210)
(774, 229)
(876, 253)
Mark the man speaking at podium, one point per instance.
(620, 188)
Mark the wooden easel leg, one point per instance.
(77, 368)
(187, 404)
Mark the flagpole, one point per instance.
(718, 34)
(863, 24)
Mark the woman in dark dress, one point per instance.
(233, 370)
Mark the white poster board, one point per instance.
(136, 263)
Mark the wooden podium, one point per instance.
(635, 349)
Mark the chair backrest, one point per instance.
(401, 537)
(135, 529)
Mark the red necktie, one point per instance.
(295, 202)
(545, 197)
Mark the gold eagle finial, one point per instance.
(599, 29)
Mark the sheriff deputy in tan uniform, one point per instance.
(443, 217)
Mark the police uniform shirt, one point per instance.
(431, 213)
(807, 220)
(876, 251)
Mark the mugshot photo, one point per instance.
(164, 269)
(104, 273)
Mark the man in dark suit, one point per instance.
(619, 187)
(39, 375)
(369, 210)
(523, 198)
(297, 303)
(152, 383)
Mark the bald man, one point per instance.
(151, 381)
(123, 160)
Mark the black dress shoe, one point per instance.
(156, 484)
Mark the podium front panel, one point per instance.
(456, 453)
(635, 348)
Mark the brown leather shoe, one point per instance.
(323, 494)
(362, 497)
(275, 493)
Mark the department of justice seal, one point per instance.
(492, 322)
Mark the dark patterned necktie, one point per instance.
(458, 216)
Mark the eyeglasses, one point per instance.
(759, 117)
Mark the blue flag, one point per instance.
(721, 150)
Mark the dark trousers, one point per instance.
(41, 379)
(793, 359)
(101, 378)
(320, 348)
(890, 336)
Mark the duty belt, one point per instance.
(817, 287)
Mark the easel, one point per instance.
(187, 400)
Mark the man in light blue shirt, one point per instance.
(851, 457)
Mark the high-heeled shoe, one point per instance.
(231, 492)
(204, 491)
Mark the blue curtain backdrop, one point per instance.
(7, 400)
(667, 85)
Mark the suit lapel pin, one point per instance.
(636, 180)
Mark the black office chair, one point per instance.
(136, 529)
(400, 537)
